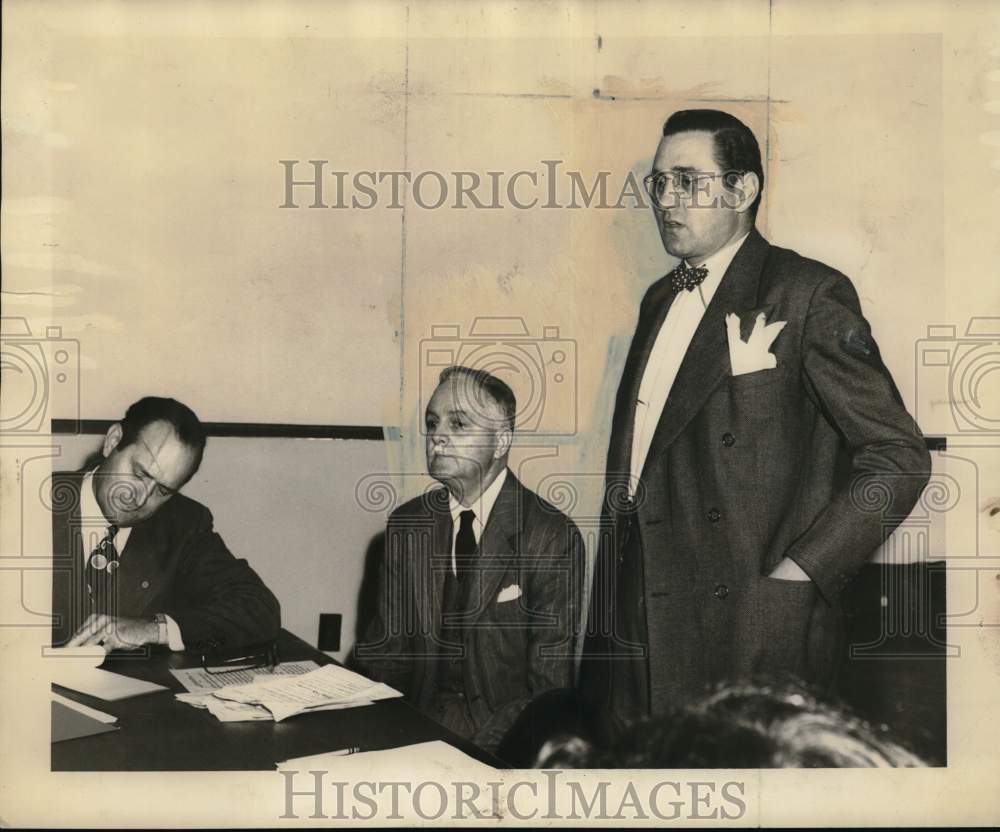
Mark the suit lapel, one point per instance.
(651, 318)
(499, 544)
(707, 357)
(141, 560)
(439, 557)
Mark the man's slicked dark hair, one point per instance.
(182, 418)
(499, 391)
(736, 147)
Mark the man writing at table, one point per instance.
(479, 593)
(134, 561)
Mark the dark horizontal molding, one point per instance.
(243, 430)
(257, 430)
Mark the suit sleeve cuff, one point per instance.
(830, 583)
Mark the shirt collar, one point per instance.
(484, 505)
(90, 509)
(718, 263)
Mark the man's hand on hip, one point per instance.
(789, 570)
(115, 633)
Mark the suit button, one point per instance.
(728, 440)
(721, 591)
(145, 584)
(714, 514)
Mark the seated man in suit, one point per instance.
(136, 563)
(480, 590)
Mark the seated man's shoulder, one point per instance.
(183, 510)
(423, 506)
(539, 511)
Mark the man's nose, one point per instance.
(142, 493)
(669, 205)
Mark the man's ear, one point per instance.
(112, 439)
(745, 191)
(505, 436)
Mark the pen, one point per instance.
(343, 752)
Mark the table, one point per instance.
(159, 733)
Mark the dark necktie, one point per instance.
(101, 568)
(457, 587)
(465, 544)
(687, 277)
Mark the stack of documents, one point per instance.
(277, 697)
(200, 680)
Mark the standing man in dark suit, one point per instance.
(136, 563)
(759, 452)
(480, 590)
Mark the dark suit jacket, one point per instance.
(173, 563)
(816, 460)
(514, 650)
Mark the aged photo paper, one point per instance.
(291, 216)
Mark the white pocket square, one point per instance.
(755, 353)
(509, 593)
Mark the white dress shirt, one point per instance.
(483, 507)
(90, 511)
(669, 349)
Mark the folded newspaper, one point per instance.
(330, 687)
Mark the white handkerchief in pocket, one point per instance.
(755, 353)
(509, 593)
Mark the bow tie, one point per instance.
(686, 277)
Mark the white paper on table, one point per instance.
(196, 699)
(77, 668)
(327, 685)
(436, 758)
(197, 679)
(238, 712)
(286, 703)
(89, 656)
(103, 684)
(225, 710)
(93, 713)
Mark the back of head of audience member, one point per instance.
(762, 725)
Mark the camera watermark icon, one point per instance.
(952, 392)
(41, 379)
(541, 369)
